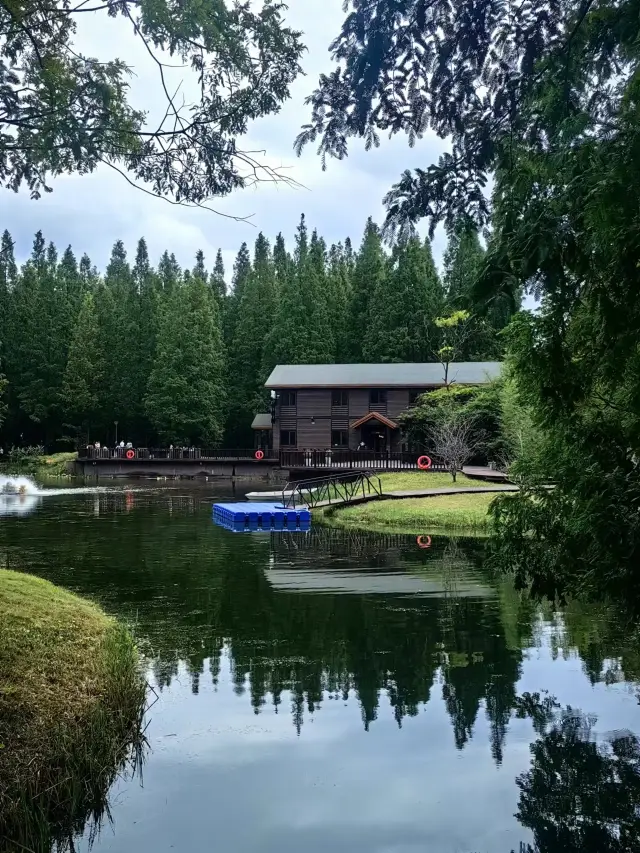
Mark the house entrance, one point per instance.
(374, 436)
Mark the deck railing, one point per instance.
(131, 454)
(349, 460)
(354, 460)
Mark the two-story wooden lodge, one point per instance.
(347, 406)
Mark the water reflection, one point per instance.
(582, 794)
(404, 659)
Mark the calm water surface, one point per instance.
(347, 692)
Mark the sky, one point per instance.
(91, 212)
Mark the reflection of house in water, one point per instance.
(376, 564)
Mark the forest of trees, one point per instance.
(181, 355)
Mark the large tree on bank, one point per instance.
(545, 98)
(62, 111)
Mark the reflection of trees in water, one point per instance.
(193, 590)
(581, 796)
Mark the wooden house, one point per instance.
(351, 406)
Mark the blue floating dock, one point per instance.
(250, 515)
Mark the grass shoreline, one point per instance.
(72, 699)
(444, 514)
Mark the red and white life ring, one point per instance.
(423, 541)
(259, 454)
(130, 454)
(424, 463)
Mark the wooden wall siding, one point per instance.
(314, 402)
(397, 402)
(340, 418)
(287, 417)
(380, 408)
(358, 403)
(276, 437)
(314, 436)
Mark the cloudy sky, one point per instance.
(93, 211)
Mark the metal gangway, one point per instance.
(351, 487)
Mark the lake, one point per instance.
(346, 691)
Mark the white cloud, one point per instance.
(93, 211)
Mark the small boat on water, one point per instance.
(270, 496)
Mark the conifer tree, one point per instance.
(246, 357)
(123, 356)
(186, 399)
(313, 277)
(8, 276)
(148, 290)
(369, 277)
(80, 394)
(218, 283)
(241, 270)
(281, 262)
(338, 298)
(404, 307)
(27, 346)
(168, 272)
(286, 343)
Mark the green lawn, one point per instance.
(71, 703)
(417, 480)
(444, 513)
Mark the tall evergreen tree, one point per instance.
(123, 356)
(168, 272)
(404, 306)
(281, 261)
(241, 271)
(338, 300)
(314, 280)
(247, 355)
(82, 382)
(218, 283)
(369, 277)
(28, 347)
(186, 398)
(149, 292)
(8, 276)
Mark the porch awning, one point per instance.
(374, 416)
(262, 421)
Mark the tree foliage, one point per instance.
(116, 348)
(543, 97)
(62, 111)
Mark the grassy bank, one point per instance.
(399, 481)
(71, 705)
(49, 465)
(445, 514)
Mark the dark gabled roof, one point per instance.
(374, 416)
(262, 421)
(412, 375)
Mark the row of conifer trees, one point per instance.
(181, 355)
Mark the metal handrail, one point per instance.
(338, 488)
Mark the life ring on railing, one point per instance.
(130, 454)
(423, 541)
(259, 454)
(424, 463)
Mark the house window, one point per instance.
(376, 398)
(287, 438)
(413, 397)
(339, 438)
(287, 398)
(339, 398)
